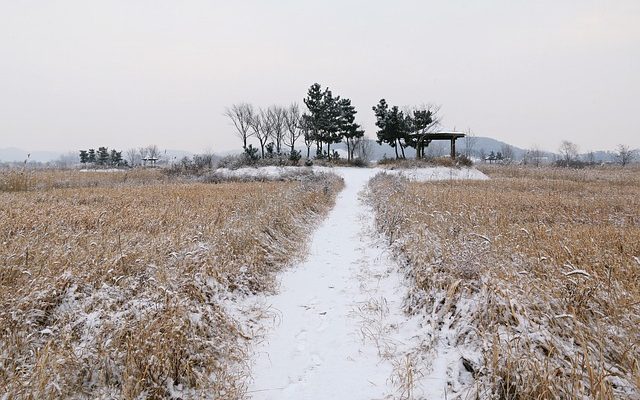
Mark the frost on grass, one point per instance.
(533, 278)
(123, 292)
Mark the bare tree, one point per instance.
(132, 157)
(143, 152)
(307, 133)
(469, 143)
(569, 152)
(482, 154)
(67, 160)
(241, 115)
(533, 156)
(508, 155)
(261, 127)
(153, 151)
(363, 148)
(292, 121)
(276, 116)
(624, 154)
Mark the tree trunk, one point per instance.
(402, 149)
(396, 148)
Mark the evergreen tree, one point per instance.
(115, 158)
(393, 126)
(349, 130)
(270, 150)
(91, 156)
(313, 120)
(84, 156)
(331, 120)
(103, 155)
(418, 124)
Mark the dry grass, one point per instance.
(392, 163)
(537, 269)
(120, 290)
(24, 179)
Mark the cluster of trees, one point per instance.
(102, 157)
(329, 119)
(275, 128)
(113, 158)
(570, 157)
(408, 128)
(625, 154)
(137, 156)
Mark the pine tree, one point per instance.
(103, 155)
(417, 125)
(115, 158)
(330, 120)
(393, 126)
(84, 156)
(91, 154)
(330, 128)
(349, 130)
(314, 120)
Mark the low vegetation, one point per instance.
(25, 179)
(392, 163)
(117, 285)
(533, 276)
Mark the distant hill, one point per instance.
(13, 154)
(476, 146)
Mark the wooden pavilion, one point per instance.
(423, 140)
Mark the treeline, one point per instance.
(329, 119)
(103, 157)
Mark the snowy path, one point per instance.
(338, 328)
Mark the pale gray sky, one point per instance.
(124, 73)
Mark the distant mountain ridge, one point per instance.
(14, 154)
(475, 145)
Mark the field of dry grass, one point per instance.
(534, 276)
(24, 179)
(115, 285)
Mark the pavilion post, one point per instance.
(453, 148)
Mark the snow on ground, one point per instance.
(418, 174)
(336, 329)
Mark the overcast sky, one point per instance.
(125, 73)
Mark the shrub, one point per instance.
(295, 156)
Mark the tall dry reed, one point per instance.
(535, 275)
(122, 291)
